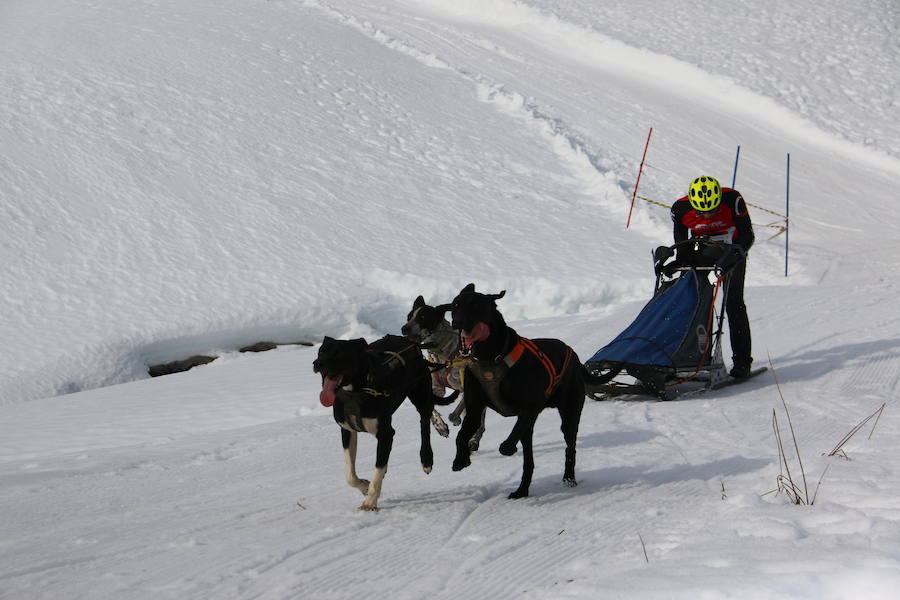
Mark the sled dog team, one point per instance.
(478, 355)
(474, 353)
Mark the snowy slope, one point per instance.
(190, 178)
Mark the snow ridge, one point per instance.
(668, 74)
(586, 162)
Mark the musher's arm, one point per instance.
(680, 233)
(742, 222)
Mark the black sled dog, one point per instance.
(365, 384)
(427, 326)
(517, 377)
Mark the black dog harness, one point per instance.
(375, 389)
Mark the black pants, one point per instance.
(736, 310)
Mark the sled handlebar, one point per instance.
(697, 254)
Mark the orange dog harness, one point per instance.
(491, 373)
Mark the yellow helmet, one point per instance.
(705, 193)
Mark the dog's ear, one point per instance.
(496, 296)
(469, 289)
(327, 339)
(443, 308)
(360, 344)
(418, 302)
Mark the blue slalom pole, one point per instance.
(734, 175)
(787, 213)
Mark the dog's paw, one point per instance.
(427, 469)
(455, 419)
(518, 494)
(507, 449)
(569, 482)
(368, 507)
(460, 463)
(473, 444)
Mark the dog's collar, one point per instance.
(515, 352)
(513, 356)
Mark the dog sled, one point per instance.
(673, 347)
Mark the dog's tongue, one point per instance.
(478, 333)
(326, 396)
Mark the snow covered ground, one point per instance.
(183, 178)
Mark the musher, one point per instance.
(720, 215)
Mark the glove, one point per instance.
(662, 254)
(732, 255)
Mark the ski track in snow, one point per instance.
(578, 44)
(835, 54)
(584, 161)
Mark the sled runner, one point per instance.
(673, 347)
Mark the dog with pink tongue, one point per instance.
(365, 384)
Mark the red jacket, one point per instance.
(730, 223)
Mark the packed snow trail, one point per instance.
(245, 495)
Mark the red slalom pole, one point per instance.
(638, 182)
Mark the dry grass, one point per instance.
(797, 490)
(838, 450)
(785, 480)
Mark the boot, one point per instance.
(741, 369)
